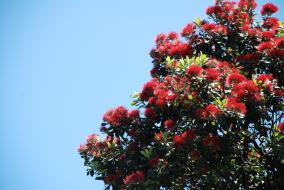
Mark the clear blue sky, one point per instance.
(63, 63)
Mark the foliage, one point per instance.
(211, 117)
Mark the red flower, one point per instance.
(248, 58)
(188, 29)
(161, 97)
(221, 29)
(181, 49)
(245, 4)
(212, 74)
(173, 35)
(210, 10)
(268, 8)
(233, 105)
(178, 140)
(277, 53)
(150, 113)
(264, 46)
(152, 100)
(280, 127)
(135, 177)
(133, 114)
(208, 26)
(201, 113)
(116, 117)
(92, 138)
(154, 70)
(268, 34)
(279, 92)
(213, 110)
(188, 134)
(235, 78)
(279, 42)
(214, 10)
(194, 70)
(265, 77)
(169, 124)
(246, 89)
(171, 96)
(82, 148)
(160, 38)
(271, 22)
(148, 90)
(159, 136)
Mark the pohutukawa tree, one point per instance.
(211, 117)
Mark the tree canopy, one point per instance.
(211, 117)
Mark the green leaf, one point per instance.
(198, 21)
(165, 135)
(147, 152)
(135, 95)
(197, 61)
(169, 60)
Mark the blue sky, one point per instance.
(63, 63)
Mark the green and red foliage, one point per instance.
(211, 117)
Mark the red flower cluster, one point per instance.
(265, 46)
(223, 30)
(188, 30)
(135, 177)
(209, 111)
(173, 36)
(162, 93)
(213, 110)
(82, 148)
(151, 114)
(265, 77)
(268, 8)
(116, 117)
(197, 100)
(148, 89)
(163, 96)
(169, 124)
(159, 136)
(212, 74)
(188, 134)
(179, 48)
(246, 89)
(208, 27)
(280, 127)
(92, 138)
(248, 58)
(133, 114)
(171, 45)
(235, 78)
(271, 23)
(194, 70)
(233, 105)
